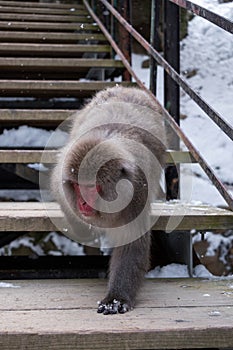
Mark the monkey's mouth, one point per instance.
(84, 208)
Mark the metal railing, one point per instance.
(170, 63)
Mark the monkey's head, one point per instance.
(102, 184)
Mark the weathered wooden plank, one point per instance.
(54, 26)
(43, 10)
(55, 87)
(50, 49)
(156, 293)
(51, 5)
(23, 216)
(48, 117)
(22, 206)
(9, 115)
(44, 18)
(27, 156)
(29, 220)
(170, 314)
(49, 156)
(57, 64)
(49, 37)
(185, 216)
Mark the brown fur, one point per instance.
(123, 120)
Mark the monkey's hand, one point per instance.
(113, 307)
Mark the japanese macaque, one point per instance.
(106, 177)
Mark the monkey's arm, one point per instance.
(128, 266)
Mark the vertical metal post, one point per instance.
(178, 243)
(124, 8)
(171, 88)
(112, 29)
(156, 7)
(172, 55)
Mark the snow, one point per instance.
(178, 271)
(26, 136)
(169, 271)
(7, 285)
(63, 245)
(217, 243)
(208, 51)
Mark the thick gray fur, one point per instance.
(110, 107)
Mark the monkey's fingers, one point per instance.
(113, 307)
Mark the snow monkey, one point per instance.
(105, 179)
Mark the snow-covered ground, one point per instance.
(208, 52)
(179, 271)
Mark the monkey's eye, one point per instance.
(123, 171)
(91, 188)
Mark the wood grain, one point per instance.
(58, 64)
(44, 10)
(55, 88)
(44, 17)
(50, 156)
(170, 314)
(21, 36)
(30, 216)
(29, 115)
(51, 49)
(39, 4)
(56, 27)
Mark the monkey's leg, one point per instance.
(128, 266)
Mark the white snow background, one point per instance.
(207, 50)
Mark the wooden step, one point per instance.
(51, 50)
(34, 216)
(57, 68)
(54, 88)
(49, 117)
(49, 156)
(169, 314)
(52, 5)
(43, 10)
(45, 18)
(45, 37)
(55, 27)
(55, 64)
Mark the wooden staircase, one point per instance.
(53, 57)
(47, 50)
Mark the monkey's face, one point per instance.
(85, 197)
(109, 200)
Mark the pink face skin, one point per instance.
(90, 193)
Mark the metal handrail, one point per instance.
(215, 116)
(194, 152)
(210, 16)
